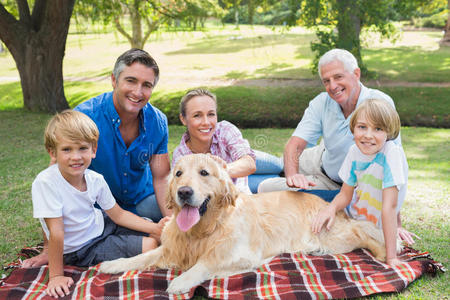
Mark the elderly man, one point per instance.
(327, 116)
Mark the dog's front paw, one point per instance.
(178, 286)
(112, 266)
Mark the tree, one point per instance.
(235, 5)
(142, 16)
(344, 20)
(195, 11)
(446, 39)
(37, 41)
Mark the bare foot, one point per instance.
(36, 261)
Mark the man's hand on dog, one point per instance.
(299, 181)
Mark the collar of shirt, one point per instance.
(112, 115)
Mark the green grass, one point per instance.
(425, 212)
(191, 59)
(254, 107)
(251, 52)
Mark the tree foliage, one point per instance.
(192, 12)
(134, 19)
(338, 23)
(446, 39)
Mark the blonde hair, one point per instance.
(194, 93)
(380, 114)
(72, 125)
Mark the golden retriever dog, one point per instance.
(216, 232)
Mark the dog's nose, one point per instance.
(185, 193)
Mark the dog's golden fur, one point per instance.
(240, 232)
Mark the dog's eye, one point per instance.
(204, 173)
(178, 173)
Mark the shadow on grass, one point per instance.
(409, 63)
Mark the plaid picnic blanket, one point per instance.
(286, 276)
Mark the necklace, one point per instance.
(189, 144)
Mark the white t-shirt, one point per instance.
(370, 174)
(54, 197)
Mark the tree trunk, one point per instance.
(236, 13)
(446, 39)
(251, 11)
(349, 29)
(136, 25)
(37, 43)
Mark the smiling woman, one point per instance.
(222, 140)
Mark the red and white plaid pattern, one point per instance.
(287, 276)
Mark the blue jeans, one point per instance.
(149, 208)
(267, 166)
(324, 194)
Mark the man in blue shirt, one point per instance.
(132, 149)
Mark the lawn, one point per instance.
(219, 58)
(425, 210)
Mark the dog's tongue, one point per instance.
(188, 217)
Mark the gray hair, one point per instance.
(135, 55)
(345, 57)
(194, 93)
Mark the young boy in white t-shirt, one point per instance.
(374, 174)
(64, 196)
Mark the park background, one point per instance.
(263, 76)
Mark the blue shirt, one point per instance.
(324, 117)
(126, 170)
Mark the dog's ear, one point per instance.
(170, 201)
(231, 193)
(228, 191)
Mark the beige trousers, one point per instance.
(310, 162)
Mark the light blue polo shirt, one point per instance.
(126, 170)
(324, 117)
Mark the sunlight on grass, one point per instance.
(251, 52)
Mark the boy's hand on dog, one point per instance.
(59, 286)
(325, 216)
(159, 227)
